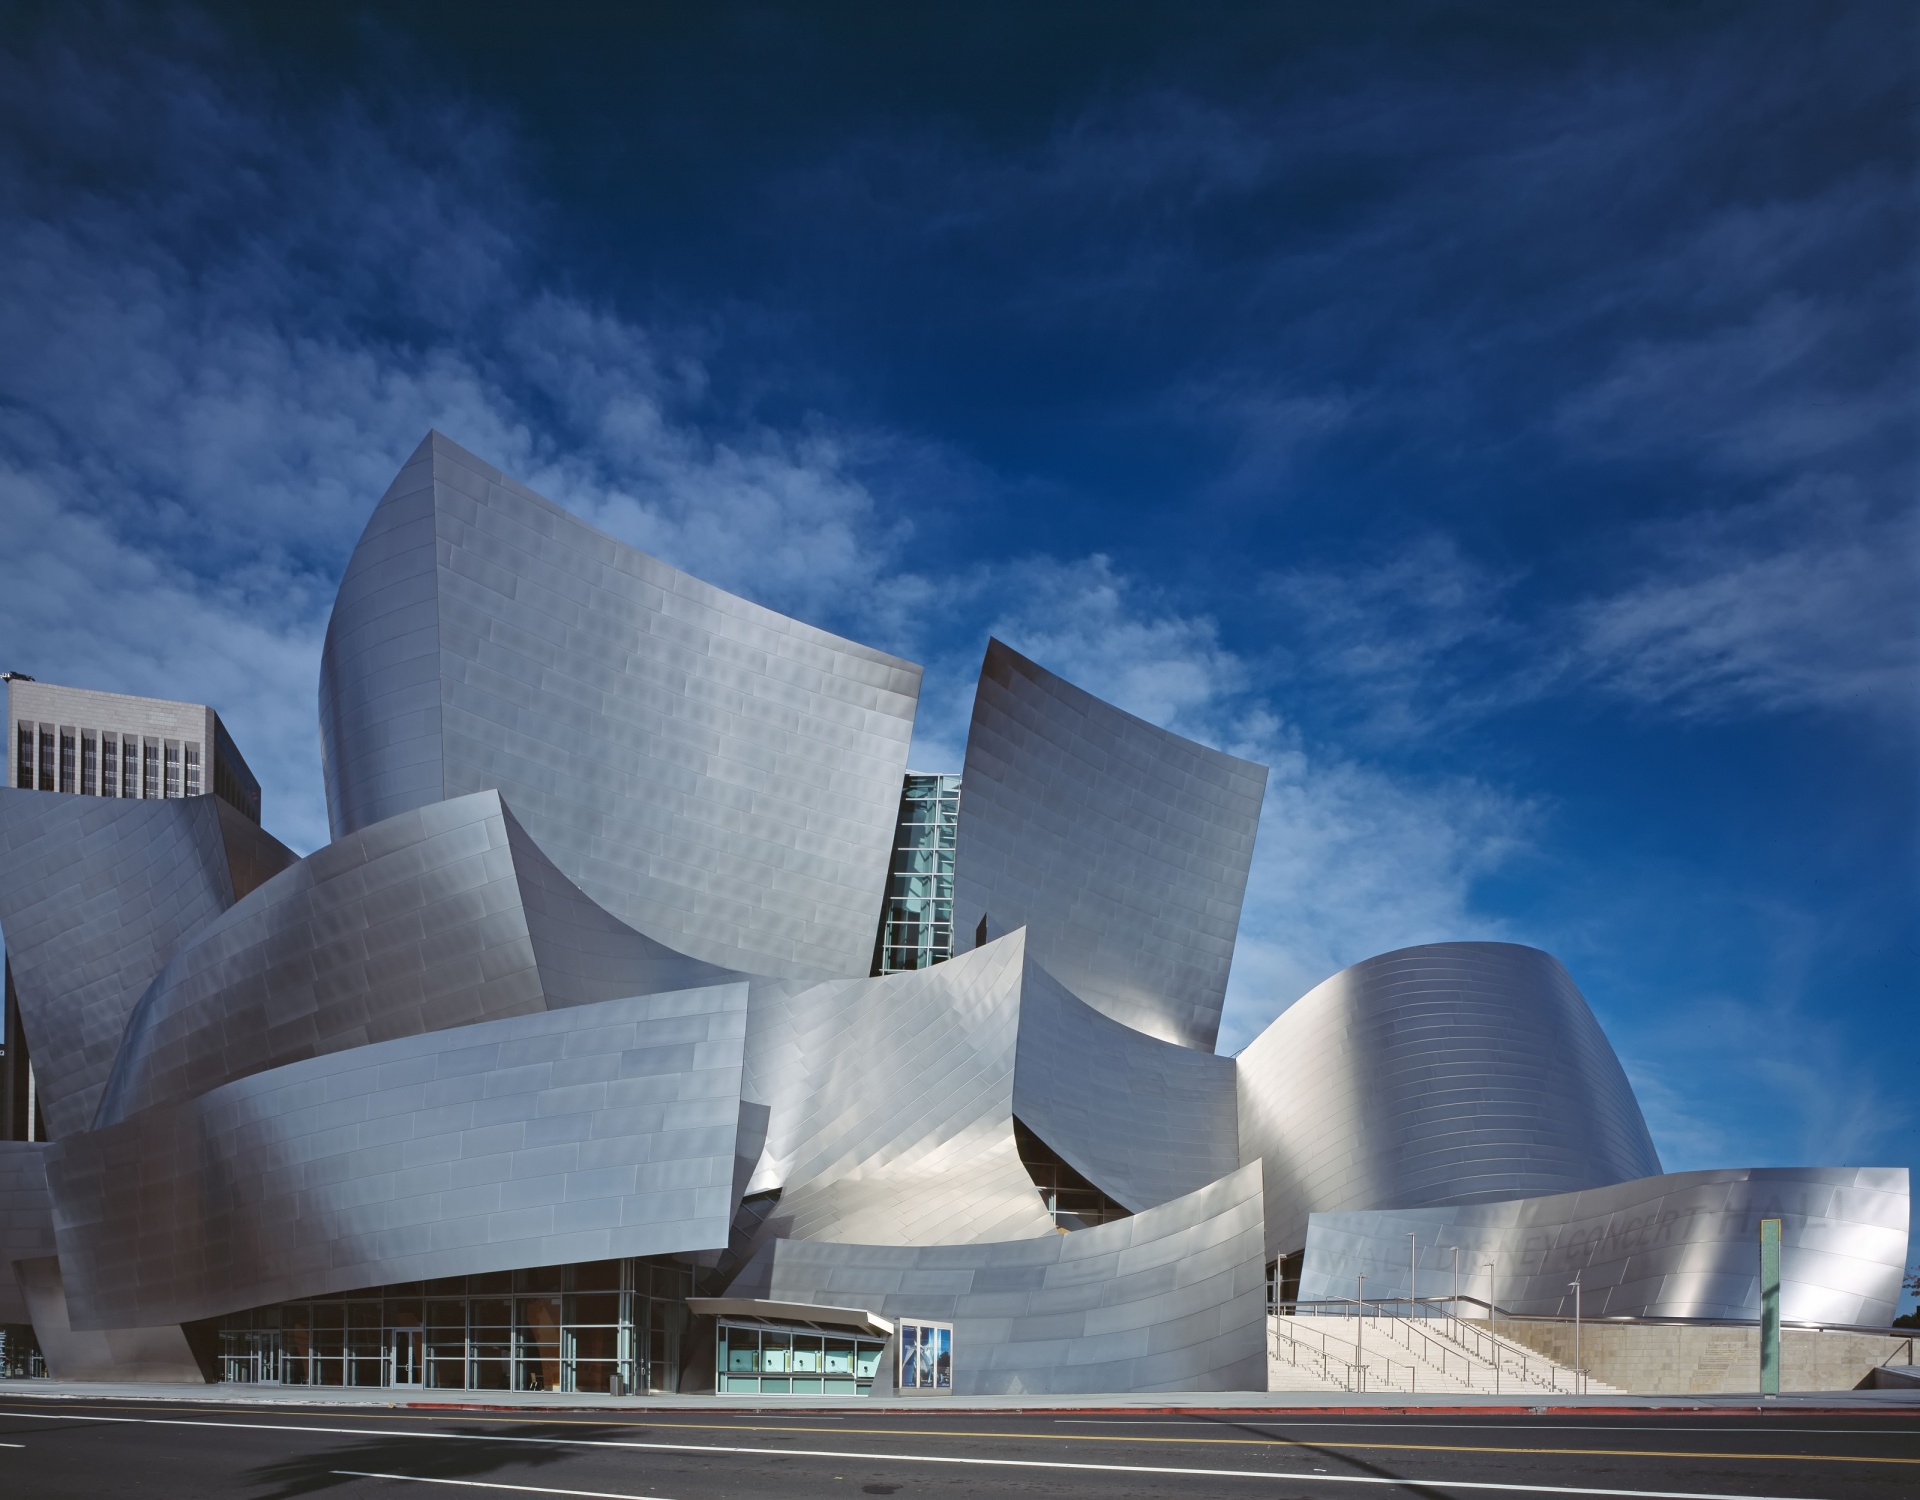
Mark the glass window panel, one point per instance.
(596, 1307)
(538, 1279)
(109, 766)
(597, 1276)
(129, 766)
(404, 1313)
(451, 1316)
(867, 1359)
(806, 1355)
(776, 1352)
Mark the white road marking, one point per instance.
(480, 1484)
(1294, 1475)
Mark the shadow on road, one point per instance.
(451, 1457)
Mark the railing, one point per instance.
(1459, 1351)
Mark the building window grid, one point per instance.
(191, 753)
(67, 759)
(172, 753)
(793, 1359)
(556, 1328)
(129, 766)
(46, 757)
(109, 765)
(150, 769)
(89, 763)
(23, 756)
(916, 927)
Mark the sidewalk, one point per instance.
(1286, 1403)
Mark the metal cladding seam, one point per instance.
(440, 917)
(711, 772)
(1172, 1299)
(1681, 1245)
(1444, 1074)
(572, 1135)
(96, 894)
(1122, 847)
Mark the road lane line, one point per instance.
(1293, 1475)
(1064, 1437)
(481, 1484)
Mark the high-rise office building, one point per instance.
(95, 744)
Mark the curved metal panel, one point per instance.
(95, 894)
(1122, 847)
(1143, 1120)
(891, 1104)
(1172, 1299)
(26, 1219)
(436, 918)
(602, 1130)
(1450, 1073)
(711, 772)
(1684, 1245)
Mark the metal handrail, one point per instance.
(1470, 1343)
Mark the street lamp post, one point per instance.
(1359, 1328)
(1578, 1376)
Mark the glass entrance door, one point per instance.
(409, 1356)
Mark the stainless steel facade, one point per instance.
(583, 981)
(1123, 847)
(1676, 1246)
(94, 896)
(1173, 1299)
(1445, 1074)
(719, 776)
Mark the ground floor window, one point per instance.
(20, 1357)
(794, 1359)
(610, 1325)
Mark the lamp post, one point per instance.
(1359, 1328)
(1456, 1281)
(1493, 1307)
(1579, 1380)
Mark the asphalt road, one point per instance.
(94, 1449)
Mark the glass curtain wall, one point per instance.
(916, 925)
(795, 1359)
(609, 1325)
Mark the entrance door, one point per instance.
(409, 1356)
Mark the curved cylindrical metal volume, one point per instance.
(715, 774)
(1683, 1245)
(1449, 1073)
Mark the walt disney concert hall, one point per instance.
(649, 1026)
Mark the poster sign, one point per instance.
(926, 1357)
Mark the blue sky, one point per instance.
(1500, 420)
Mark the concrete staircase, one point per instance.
(1432, 1355)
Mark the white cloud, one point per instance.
(1808, 603)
